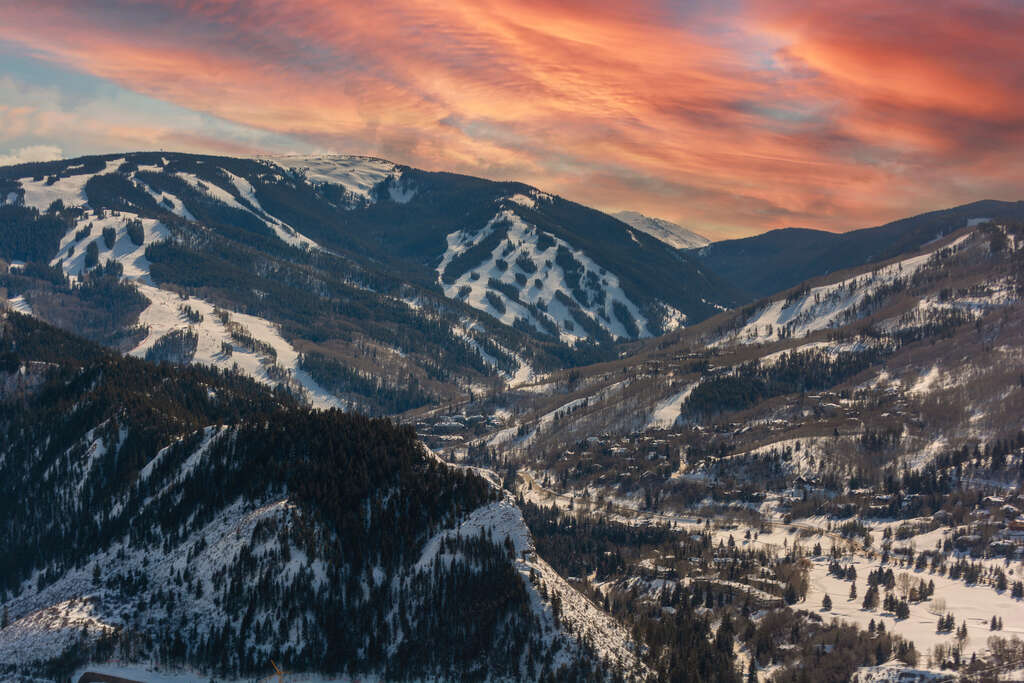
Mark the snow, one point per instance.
(524, 371)
(284, 231)
(211, 190)
(167, 200)
(51, 619)
(531, 199)
(523, 242)
(897, 673)
(163, 316)
(93, 452)
(523, 200)
(927, 382)
(210, 434)
(668, 411)
(358, 175)
(70, 190)
(676, 236)
(41, 634)
(586, 621)
(824, 306)
(401, 192)
(130, 255)
(832, 349)
(20, 305)
(975, 604)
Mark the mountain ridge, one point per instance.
(778, 259)
(668, 232)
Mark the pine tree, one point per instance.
(853, 591)
(109, 237)
(961, 633)
(92, 255)
(826, 603)
(871, 598)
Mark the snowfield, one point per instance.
(667, 412)
(525, 261)
(975, 604)
(824, 306)
(670, 233)
(164, 314)
(70, 190)
(358, 175)
(131, 256)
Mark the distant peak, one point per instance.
(670, 233)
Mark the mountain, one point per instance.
(190, 517)
(603, 471)
(352, 280)
(670, 233)
(764, 264)
(839, 455)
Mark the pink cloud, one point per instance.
(833, 115)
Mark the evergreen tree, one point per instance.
(92, 255)
(871, 598)
(109, 237)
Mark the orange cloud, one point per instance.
(834, 115)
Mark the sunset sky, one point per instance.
(726, 116)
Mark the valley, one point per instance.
(603, 458)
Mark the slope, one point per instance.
(354, 281)
(189, 517)
(779, 259)
(670, 233)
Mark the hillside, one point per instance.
(856, 437)
(191, 519)
(352, 280)
(598, 478)
(670, 233)
(779, 259)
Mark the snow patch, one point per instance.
(525, 261)
(358, 175)
(70, 190)
(668, 411)
(674, 235)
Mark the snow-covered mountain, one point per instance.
(351, 280)
(670, 233)
(826, 473)
(779, 259)
(568, 507)
(193, 520)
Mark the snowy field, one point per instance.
(525, 255)
(164, 314)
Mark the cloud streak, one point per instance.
(834, 115)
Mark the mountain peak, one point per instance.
(670, 233)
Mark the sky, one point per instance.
(730, 117)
